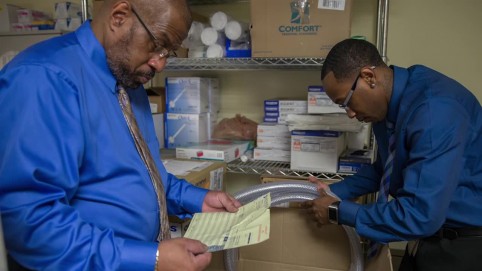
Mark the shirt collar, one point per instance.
(96, 53)
(400, 79)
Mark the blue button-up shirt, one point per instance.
(437, 173)
(74, 192)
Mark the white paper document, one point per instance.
(223, 230)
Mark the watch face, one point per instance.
(333, 212)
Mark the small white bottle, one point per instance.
(215, 51)
(219, 20)
(237, 31)
(210, 36)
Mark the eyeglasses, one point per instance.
(161, 50)
(344, 105)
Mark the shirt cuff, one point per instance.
(347, 211)
(138, 255)
(195, 196)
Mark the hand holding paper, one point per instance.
(222, 230)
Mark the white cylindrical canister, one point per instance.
(237, 31)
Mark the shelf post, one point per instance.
(382, 28)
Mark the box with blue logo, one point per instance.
(185, 129)
(187, 95)
(304, 28)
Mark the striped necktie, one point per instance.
(374, 247)
(385, 182)
(146, 156)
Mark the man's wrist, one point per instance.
(333, 216)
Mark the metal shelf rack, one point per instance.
(243, 63)
(277, 168)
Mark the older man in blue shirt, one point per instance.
(428, 129)
(74, 191)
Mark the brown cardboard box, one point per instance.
(209, 177)
(281, 29)
(157, 96)
(297, 244)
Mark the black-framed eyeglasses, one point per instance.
(344, 105)
(159, 49)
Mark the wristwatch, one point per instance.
(333, 212)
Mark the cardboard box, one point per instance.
(157, 99)
(297, 244)
(304, 30)
(316, 150)
(205, 174)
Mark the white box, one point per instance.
(273, 142)
(319, 102)
(272, 155)
(316, 150)
(222, 150)
(158, 120)
(214, 95)
(64, 10)
(185, 129)
(187, 95)
(269, 129)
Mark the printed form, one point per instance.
(223, 230)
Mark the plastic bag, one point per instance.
(237, 128)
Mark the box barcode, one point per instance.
(332, 4)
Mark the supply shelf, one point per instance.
(277, 168)
(189, 64)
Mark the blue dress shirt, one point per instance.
(74, 192)
(437, 174)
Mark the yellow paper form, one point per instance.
(223, 230)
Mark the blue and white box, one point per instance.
(320, 103)
(316, 150)
(185, 129)
(187, 95)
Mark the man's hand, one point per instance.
(216, 201)
(182, 254)
(318, 208)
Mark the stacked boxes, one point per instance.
(273, 143)
(275, 111)
(192, 104)
(316, 150)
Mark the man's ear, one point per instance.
(368, 74)
(120, 14)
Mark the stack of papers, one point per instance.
(223, 230)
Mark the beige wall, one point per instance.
(443, 34)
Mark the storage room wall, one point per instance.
(442, 34)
